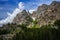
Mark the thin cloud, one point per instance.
(31, 10)
(10, 17)
(21, 5)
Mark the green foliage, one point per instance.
(43, 33)
(57, 23)
(46, 32)
(38, 34)
(2, 32)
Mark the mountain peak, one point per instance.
(42, 8)
(55, 2)
(44, 14)
(24, 11)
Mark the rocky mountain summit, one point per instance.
(45, 14)
(22, 18)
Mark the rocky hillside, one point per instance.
(46, 14)
(23, 18)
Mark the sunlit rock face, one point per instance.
(22, 18)
(44, 14)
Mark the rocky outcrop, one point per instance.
(22, 18)
(46, 14)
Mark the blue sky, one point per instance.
(10, 5)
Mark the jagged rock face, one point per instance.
(46, 14)
(22, 18)
(41, 8)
